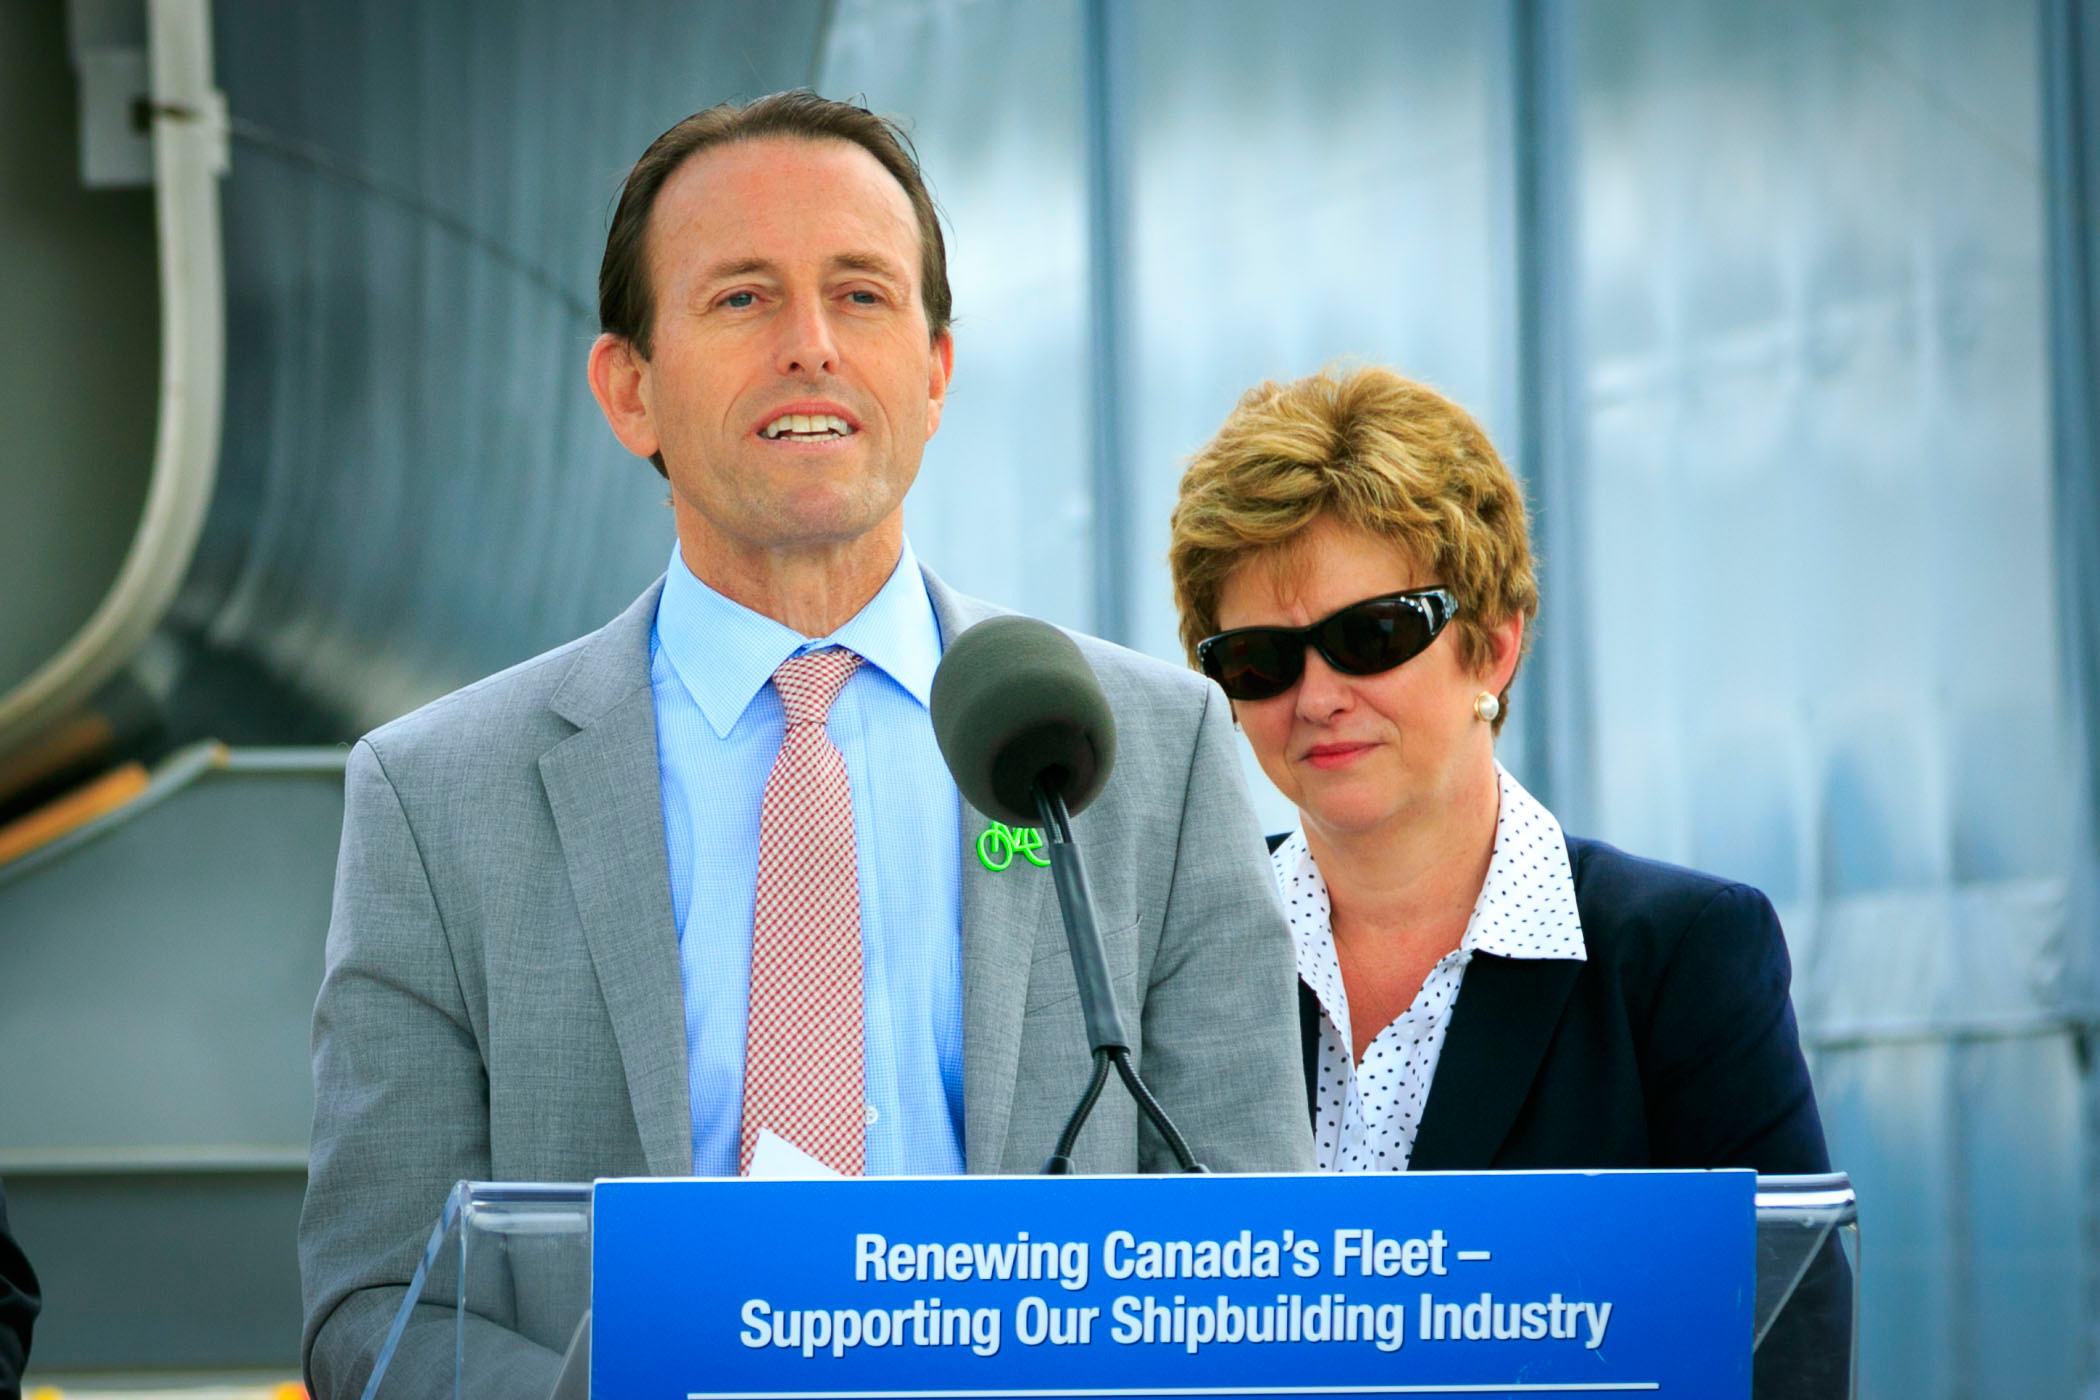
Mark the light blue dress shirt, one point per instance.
(718, 729)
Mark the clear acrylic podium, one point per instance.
(500, 1304)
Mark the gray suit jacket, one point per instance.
(502, 997)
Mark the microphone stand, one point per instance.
(1097, 992)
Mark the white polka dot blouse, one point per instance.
(1367, 1114)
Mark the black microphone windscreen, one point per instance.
(1013, 702)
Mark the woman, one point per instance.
(1352, 566)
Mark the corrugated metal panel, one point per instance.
(1312, 185)
(417, 488)
(1823, 604)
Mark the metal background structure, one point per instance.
(1786, 313)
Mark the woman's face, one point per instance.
(1358, 754)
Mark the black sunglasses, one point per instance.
(1254, 663)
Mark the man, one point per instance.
(19, 1303)
(700, 880)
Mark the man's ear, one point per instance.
(620, 383)
(937, 388)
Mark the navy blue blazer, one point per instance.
(1674, 1045)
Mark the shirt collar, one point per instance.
(1526, 907)
(724, 652)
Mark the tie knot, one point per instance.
(810, 682)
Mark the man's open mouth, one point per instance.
(806, 427)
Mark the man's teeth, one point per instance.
(806, 425)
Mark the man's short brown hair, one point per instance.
(1368, 449)
(627, 304)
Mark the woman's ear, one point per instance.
(1505, 645)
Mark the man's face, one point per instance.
(792, 383)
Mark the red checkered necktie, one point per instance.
(802, 1053)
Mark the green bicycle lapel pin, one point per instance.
(1001, 843)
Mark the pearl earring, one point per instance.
(1486, 707)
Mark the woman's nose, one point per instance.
(1323, 692)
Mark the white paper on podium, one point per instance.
(774, 1157)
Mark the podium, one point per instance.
(500, 1303)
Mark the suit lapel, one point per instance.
(1001, 912)
(1505, 1017)
(607, 798)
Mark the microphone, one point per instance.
(1029, 737)
(1014, 703)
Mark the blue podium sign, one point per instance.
(1490, 1284)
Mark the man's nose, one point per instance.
(807, 345)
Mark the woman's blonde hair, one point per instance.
(1369, 449)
